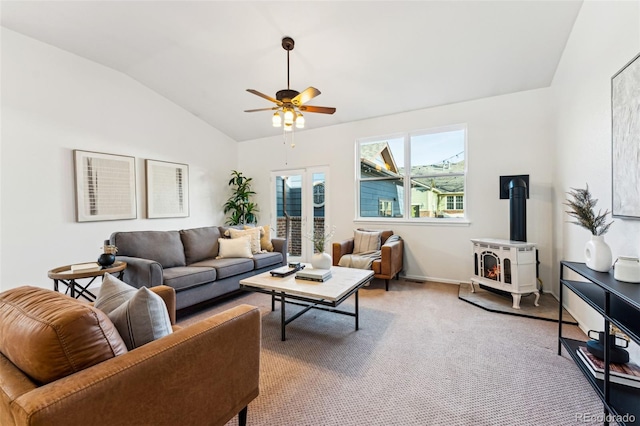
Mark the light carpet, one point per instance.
(421, 357)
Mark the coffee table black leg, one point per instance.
(273, 301)
(282, 317)
(356, 310)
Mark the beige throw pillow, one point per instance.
(235, 247)
(265, 237)
(364, 241)
(254, 233)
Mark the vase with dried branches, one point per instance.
(582, 207)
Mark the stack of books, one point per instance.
(320, 275)
(85, 267)
(625, 374)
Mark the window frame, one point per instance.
(407, 205)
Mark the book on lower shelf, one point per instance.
(86, 267)
(624, 374)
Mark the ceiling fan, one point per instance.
(291, 103)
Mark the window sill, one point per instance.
(414, 222)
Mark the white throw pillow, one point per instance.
(254, 233)
(365, 241)
(140, 315)
(265, 237)
(235, 247)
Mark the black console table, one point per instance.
(618, 303)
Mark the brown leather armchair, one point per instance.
(388, 266)
(202, 374)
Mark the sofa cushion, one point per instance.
(48, 335)
(183, 277)
(365, 241)
(200, 243)
(165, 247)
(141, 319)
(235, 247)
(262, 260)
(227, 267)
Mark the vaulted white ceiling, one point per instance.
(368, 58)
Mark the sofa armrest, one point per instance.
(391, 261)
(280, 246)
(141, 272)
(340, 249)
(204, 374)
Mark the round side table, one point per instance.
(64, 275)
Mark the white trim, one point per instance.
(414, 222)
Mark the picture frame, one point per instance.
(167, 187)
(105, 186)
(625, 141)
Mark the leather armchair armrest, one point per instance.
(218, 357)
(340, 249)
(391, 261)
(141, 272)
(168, 294)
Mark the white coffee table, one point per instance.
(325, 296)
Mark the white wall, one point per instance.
(54, 102)
(507, 135)
(605, 37)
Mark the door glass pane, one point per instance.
(290, 193)
(319, 196)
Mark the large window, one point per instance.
(418, 175)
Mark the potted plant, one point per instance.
(320, 238)
(239, 205)
(582, 204)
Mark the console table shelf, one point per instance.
(619, 304)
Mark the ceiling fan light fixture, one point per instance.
(299, 121)
(288, 127)
(289, 117)
(276, 120)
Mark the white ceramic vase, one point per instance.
(321, 261)
(598, 254)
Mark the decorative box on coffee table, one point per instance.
(505, 265)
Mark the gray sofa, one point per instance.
(186, 260)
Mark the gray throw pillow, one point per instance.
(141, 319)
(140, 315)
(113, 293)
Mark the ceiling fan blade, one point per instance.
(305, 96)
(320, 109)
(262, 95)
(261, 109)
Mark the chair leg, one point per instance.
(386, 285)
(242, 416)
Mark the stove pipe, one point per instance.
(518, 209)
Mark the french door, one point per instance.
(299, 204)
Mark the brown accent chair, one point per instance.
(387, 267)
(202, 374)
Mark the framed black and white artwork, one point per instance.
(105, 186)
(167, 189)
(625, 139)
